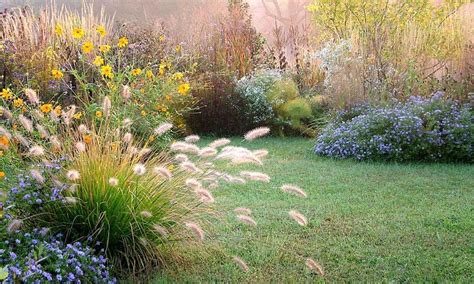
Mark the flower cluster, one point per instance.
(37, 257)
(420, 129)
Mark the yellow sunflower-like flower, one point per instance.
(178, 76)
(183, 89)
(178, 48)
(104, 48)
(77, 115)
(98, 61)
(57, 110)
(6, 94)
(46, 108)
(4, 141)
(78, 33)
(58, 30)
(162, 38)
(57, 74)
(18, 102)
(123, 42)
(101, 30)
(98, 114)
(106, 71)
(149, 74)
(136, 71)
(87, 47)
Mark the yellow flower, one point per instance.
(87, 138)
(104, 48)
(58, 30)
(162, 38)
(123, 42)
(106, 71)
(101, 30)
(178, 76)
(77, 115)
(149, 74)
(87, 47)
(98, 114)
(57, 110)
(77, 33)
(2, 175)
(57, 74)
(178, 48)
(151, 138)
(6, 94)
(143, 113)
(46, 108)
(183, 89)
(168, 97)
(4, 141)
(136, 71)
(171, 167)
(18, 103)
(98, 61)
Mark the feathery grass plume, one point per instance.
(143, 152)
(163, 128)
(178, 146)
(73, 175)
(36, 175)
(298, 217)
(36, 151)
(42, 131)
(191, 139)
(162, 171)
(242, 210)
(5, 132)
(113, 182)
(127, 122)
(237, 180)
(193, 149)
(31, 96)
(256, 176)
(54, 117)
(55, 143)
(22, 140)
(70, 200)
(193, 183)
(127, 138)
(162, 231)
(246, 160)
(181, 158)
(293, 189)
(126, 92)
(146, 214)
(69, 114)
(196, 229)
(27, 124)
(207, 152)
(313, 265)
(247, 219)
(219, 143)
(37, 114)
(204, 195)
(139, 169)
(260, 153)
(241, 264)
(5, 113)
(14, 226)
(80, 146)
(106, 106)
(82, 129)
(256, 133)
(190, 167)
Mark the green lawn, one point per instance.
(367, 222)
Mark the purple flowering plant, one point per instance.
(420, 129)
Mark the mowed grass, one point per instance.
(367, 222)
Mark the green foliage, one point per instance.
(295, 110)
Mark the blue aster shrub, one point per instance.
(420, 129)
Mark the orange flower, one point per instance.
(2, 175)
(4, 141)
(87, 138)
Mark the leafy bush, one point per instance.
(418, 130)
(38, 257)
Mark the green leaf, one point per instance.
(3, 273)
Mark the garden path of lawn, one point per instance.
(367, 222)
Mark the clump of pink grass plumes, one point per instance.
(256, 133)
